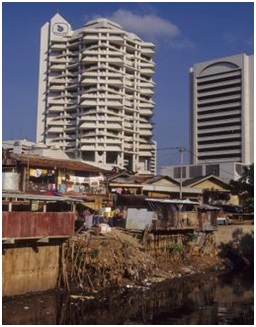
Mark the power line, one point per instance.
(176, 148)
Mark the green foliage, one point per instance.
(244, 186)
(240, 251)
(212, 195)
(191, 237)
(174, 248)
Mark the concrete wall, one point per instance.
(224, 234)
(27, 269)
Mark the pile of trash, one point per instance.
(105, 256)
(102, 257)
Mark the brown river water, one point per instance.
(206, 299)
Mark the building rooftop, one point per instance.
(35, 160)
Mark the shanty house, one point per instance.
(35, 173)
(215, 190)
(165, 214)
(166, 187)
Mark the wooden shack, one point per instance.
(34, 228)
(164, 214)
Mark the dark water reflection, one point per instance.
(205, 299)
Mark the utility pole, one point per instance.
(181, 150)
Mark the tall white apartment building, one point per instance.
(95, 94)
(222, 108)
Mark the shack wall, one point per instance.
(37, 224)
(27, 269)
(139, 219)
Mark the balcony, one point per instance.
(91, 37)
(57, 81)
(146, 105)
(89, 103)
(57, 60)
(147, 51)
(146, 64)
(145, 154)
(89, 80)
(54, 101)
(145, 133)
(145, 125)
(58, 46)
(147, 71)
(56, 109)
(54, 129)
(55, 122)
(90, 59)
(146, 91)
(146, 147)
(56, 67)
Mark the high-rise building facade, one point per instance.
(95, 94)
(222, 105)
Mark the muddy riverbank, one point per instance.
(118, 278)
(92, 262)
(209, 298)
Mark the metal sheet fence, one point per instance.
(37, 224)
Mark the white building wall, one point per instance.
(224, 170)
(222, 110)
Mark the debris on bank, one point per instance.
(93, 260)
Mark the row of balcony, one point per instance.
(109, 102)
(87, 93)
(96, 70)
(147, 71)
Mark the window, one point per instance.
(177, 172)
(195, 171)
(213, 170)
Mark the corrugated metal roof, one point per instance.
(193, 181)
(207, 207)
(38, 197)
(40, 161)
(159, 178)
(174, 201)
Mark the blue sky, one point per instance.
(184, 34)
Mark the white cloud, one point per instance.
(149, 26)
(232, 38)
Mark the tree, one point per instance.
(213, 196)
(244, 187)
